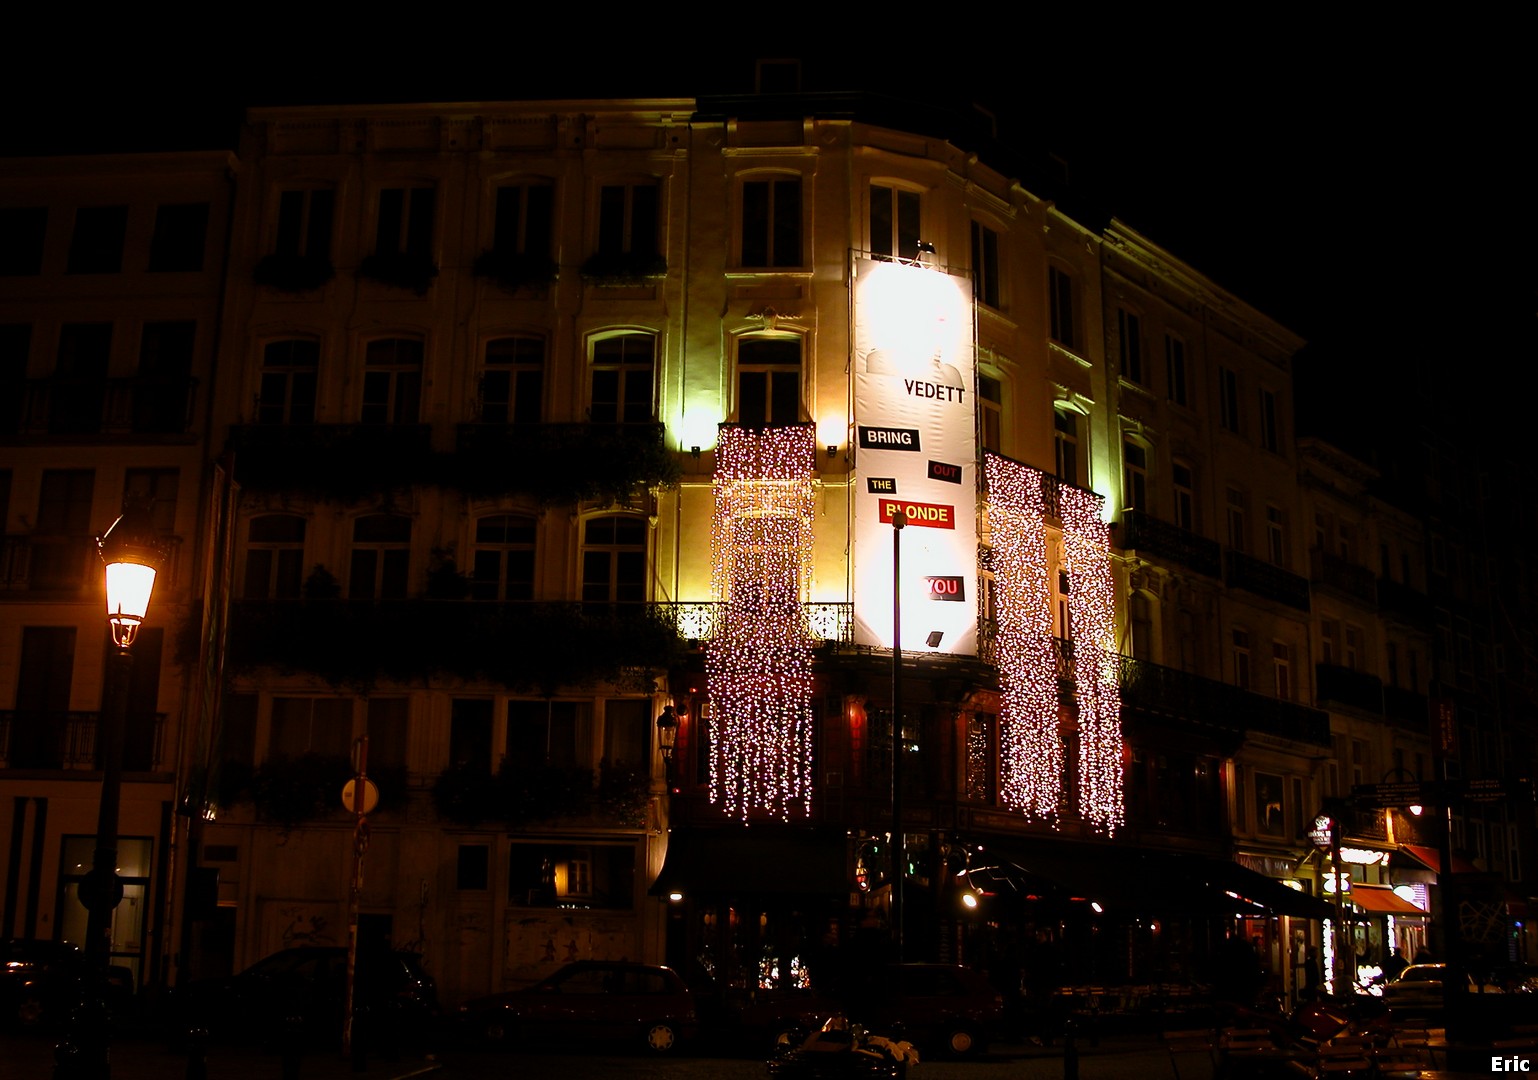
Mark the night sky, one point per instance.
(1369, 186)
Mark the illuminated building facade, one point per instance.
(533, 419)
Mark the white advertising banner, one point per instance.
(915, 450)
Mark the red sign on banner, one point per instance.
(929, 515)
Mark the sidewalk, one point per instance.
(30, 1057)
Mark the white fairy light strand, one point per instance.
(759, 665)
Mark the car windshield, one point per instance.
(1421, 975)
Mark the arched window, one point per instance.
(392, 381)
(289, 371)
(504, 558)
(768, 380)
(614, 560)
(381, 557)
(513, 381)
(274, 557)
(622, 375)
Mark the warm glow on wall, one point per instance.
(1031, 765)
(760, 661)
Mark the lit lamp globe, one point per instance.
(131, 553)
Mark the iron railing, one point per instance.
(46, 739)
(140, 405)
(1146, 534)
(1263, 579)
(1343, 577)
(1343, 686)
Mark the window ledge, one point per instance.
(1060, 349)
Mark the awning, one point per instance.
(1381, 900)
(756, 860)
(1431, 859)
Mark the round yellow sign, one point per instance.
(370, 796)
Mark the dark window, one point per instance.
(622, 379)
(1184, 485)
(504, 558)
(627, 733)
(78, 396)
(894, 223)
(161, 391)
(274, 557)
(1270, 434)
(22, 231)
(237, 731)
(405, 222)
(470, 733)
(392, 381)
(96, 246)
(381, 557)
(513, 382)
(139, 750)
(1065, 434)
(473, 871)
(553, 734)
(46, 673)
(304, 223)
(769, 381)
(15, 351)
(1135, 458)
(599, 876)
(771, 222)
(289, 370)
(303, 725)
(1060, 310)
(628, 216)
(62, 540)
(1175, 367)
(525, 213)
(180, 232)
(387, 720)
(614, 560)
(158, 488)
(1129, 337)
(990, 393)
(1228, 399)
(985, 265)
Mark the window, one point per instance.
(22, 231)
(387, 722)
(1129, 345)
(274, 557)
(45, 676)
(405, 225)
(628, 219)
(96, 246)
(15, 352)
(1134, 475)
(392, 381)
(549, 734)
(1270, 820)
(627, 729)
(177, 242)
(894, 223)
(1241, 652)
(1329, 641)
(158, 488)
(78, 396)
(1228, 399)
(525, 216)
(513, 381)
(504, 558)
(381, 557)
(622, 379)
(311, 726)
(161, 390)
(1183, 484)
(1060, 313)
(1238, 520)
(985, 265)
(473, 868)
(1277, 547)
(1391, 662)
(771, 222)
(584, 876)
(304, 224)
(1141, 618)
(990, 393)
(1175, 367)
(768, 381)
(61, 541)
(1352, 655)
(1065, 443)
(470, 733)
(1270, 436)
(289, 370)
(1281, 663)
(614, 560)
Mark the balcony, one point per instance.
(560, 462)
(523, 646)
(1402, 602)
(1406, 708)
(35, 739)
(1168, 692)
(342, 460)
(59, 567)
(1263, 579)
(700, 621)
(1147, 535)
(141, 405)
(1352, 689)
(1341, 577)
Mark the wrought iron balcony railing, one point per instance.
(699, 621)
(1332, 572)
(40, 739)
(1169, 692)
(1354, 689)
(1147, 535)
(334, 459)
(60, 566)
(1263, 579)
(1404, 602)
(141, 405)
(1406, 707)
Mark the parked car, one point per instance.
(40, 981)
(309, 983)
(1419, 988)
(647, 1006)
(944, 1008)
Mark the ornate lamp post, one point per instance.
(131, 553)
(667, 739)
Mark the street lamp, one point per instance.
(667, 739)
(131, 553)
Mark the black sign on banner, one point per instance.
(946, 587)
(889, 438)
(881, 485)
(940, 470)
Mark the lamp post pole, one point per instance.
(899, 519)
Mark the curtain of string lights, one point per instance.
(760, 662)
(1031, 752)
